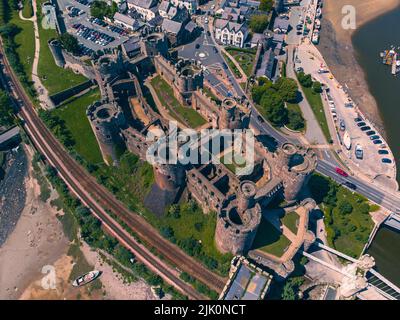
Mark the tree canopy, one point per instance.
(258, 23)
(266, 5)
(101, 9)
(69, 42)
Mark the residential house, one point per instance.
(127, 22)
(191, 5)
(230, 33)
(148, 9)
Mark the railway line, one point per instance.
(101, 201)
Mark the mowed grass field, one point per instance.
(25, 41)
(74, 115)
(54, 78)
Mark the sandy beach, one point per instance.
(38, 241)
(336, 47)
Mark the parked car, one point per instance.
(383, 152)
(342, 125)
(197, 46)
(358, 119)
(377, 141)
(341, 172)
(350, 185)
(366, 128)
(260, 119)
(374, 137)
(386, 160)
(361, 124)
(370, 133)
(359, 152)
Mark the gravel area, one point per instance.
(12, 192)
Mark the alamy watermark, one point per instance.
(349, 20)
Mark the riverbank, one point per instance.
(337, 48)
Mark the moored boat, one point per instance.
(86, 278)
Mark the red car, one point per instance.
(341, 172)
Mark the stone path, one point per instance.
(43, 94)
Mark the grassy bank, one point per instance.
(315, 101)
(183, 114)
(232, 66)
(346, 215)
(54, 78)
(73, 114)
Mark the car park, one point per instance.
(361, 124)
(377, 141)
(366, 128)
(386, 160)
(383, 152)
(370, 133)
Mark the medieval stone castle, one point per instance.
(123, 118)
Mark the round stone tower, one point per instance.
(56, 51)
(245, 196)
(106, 121)
(231, 116)
(237, 224)
(169, 176)
(189, 76)
(156, 43)
(297, 165)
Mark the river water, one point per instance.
(374, 37)
(368, 41)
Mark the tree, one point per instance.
(287, 89)
(317, 87)
(274, 108)
(6, 111)
(69, 42)
(305, 80)
(266, 5)
(101, 9)
(345, 207)
(295, 120)
(258, 23)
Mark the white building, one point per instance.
(191, 5)
(125, 21)
(230, 33)
(146, 8)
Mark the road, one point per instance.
(102, 203)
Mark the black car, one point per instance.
(215, 49)
(197, 46)
(383, 152)
(374, 137)
(366, 128)
(208, 33)
(370, 133)
(360, 124)
(350, 185)
(260, 119)
(386, 160)
(377, 141)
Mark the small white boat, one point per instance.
(347, 140)
(86, 278)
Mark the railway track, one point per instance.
(83, 183)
